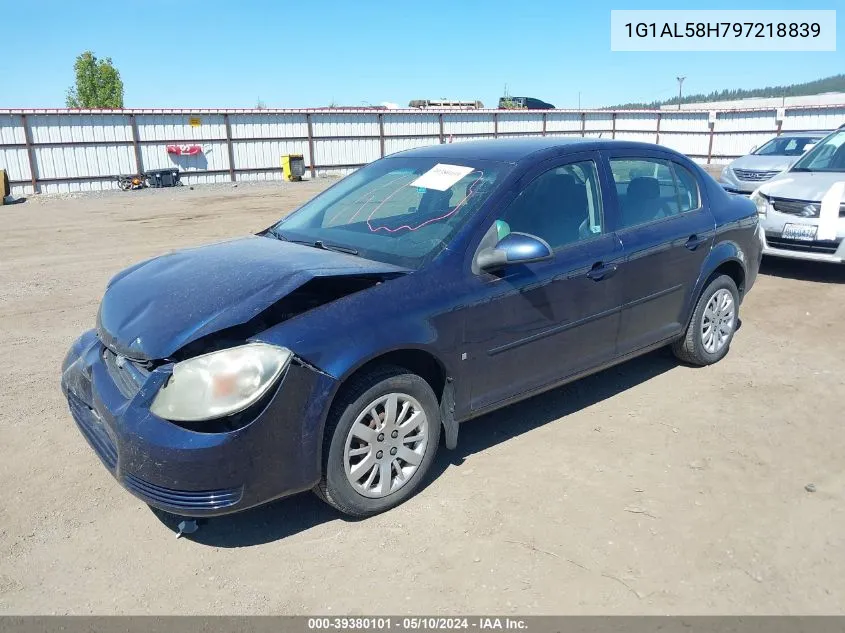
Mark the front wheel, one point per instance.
(381, 438)
(712, 326)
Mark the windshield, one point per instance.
(827, 155)
(787, 146)
(402, 211)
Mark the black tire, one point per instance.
(690, 349)
(334, 488)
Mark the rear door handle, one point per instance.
(694, 242)
(601, 271)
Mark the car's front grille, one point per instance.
(802, 208)
(127, 375)
(750, 175)
(183, 500)
(827, 247)
(91, 426)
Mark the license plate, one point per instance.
(800, 232)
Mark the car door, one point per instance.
(532, 325)
(666, 230)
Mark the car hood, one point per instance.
(801, 185)
(753, 162)
(155, 308)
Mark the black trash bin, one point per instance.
(163, 178)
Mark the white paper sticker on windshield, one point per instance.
(442, 176)
(829, 215)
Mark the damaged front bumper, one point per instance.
(193, 473)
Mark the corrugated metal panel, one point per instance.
(516, 122)
(464, 123)
(742, 121)
(684, 122)
(693, 144)
(74, 187)
(174, 127)
(335, 172)
(393, 145)
(11, 130)
(344, 125)
(563, 121)
(214, 156)
(639, 137)
(410, 124)
(268, 126)
(346, 152)
(270, 174)
(203, 179)
(738, 144)
(81, 162)
(66, 128)
(257, 154)
(814, 119)
(598, 121)
(16, 163)
(636, 121)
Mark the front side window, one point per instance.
(561, 206)
(651, 189)
(827, 155)
(401, 211)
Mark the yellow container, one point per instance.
(5, 189)
(293, 167)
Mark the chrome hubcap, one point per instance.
(718, 321)
(385, 445)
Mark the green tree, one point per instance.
(98, 83)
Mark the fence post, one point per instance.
(659, 117)
(139, 164)
(440, 117)
(710, 144)
(545, 115)
(613, 129)
(583, 124)
(311, 145)
(495, 125)
(229, 146)
(381, 134)
(30, 154)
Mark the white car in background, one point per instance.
(802, 210)
(745, 174)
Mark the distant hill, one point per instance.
(819, 86)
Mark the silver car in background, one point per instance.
(745, 174)
(802, 210)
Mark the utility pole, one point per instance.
(579, 99)
(680, 89)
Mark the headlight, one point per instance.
(220, 383)
(725, 171)
(761, 202)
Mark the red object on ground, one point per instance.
(184, 150)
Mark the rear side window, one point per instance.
(688, 195)
(651, 189)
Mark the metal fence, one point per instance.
(55, 151)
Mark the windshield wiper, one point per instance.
(326, 247)
(316, 244)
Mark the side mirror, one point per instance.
(514, 248)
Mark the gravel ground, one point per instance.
(649, 488)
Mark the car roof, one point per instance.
(512, 150)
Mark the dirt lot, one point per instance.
(649, 488)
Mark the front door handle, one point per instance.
(601, 271)
(694, 242)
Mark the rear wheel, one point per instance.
(713, 324)
(381, 438)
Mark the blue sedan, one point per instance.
(336, 349)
